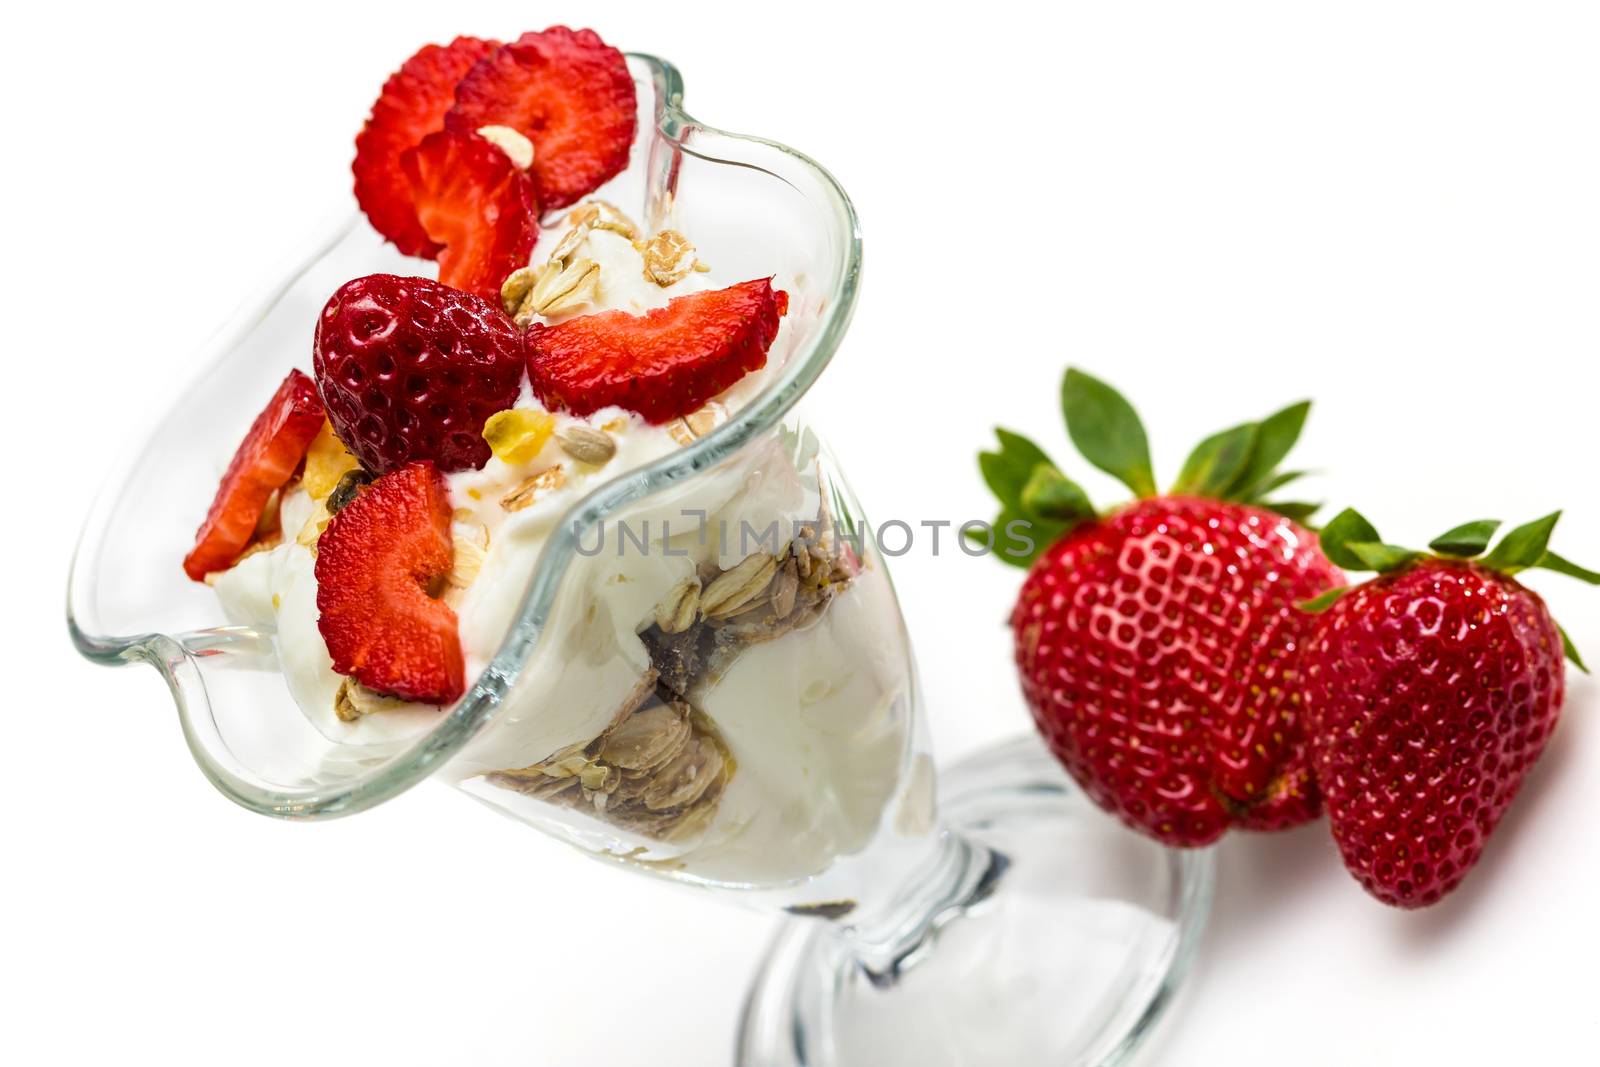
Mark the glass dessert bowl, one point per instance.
(689, 662)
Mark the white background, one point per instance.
(1393, 207)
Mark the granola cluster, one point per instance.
(661, 767)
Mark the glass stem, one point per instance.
(954, 875)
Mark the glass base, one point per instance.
(1073, 937)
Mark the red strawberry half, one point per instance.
(569, 93)
(412, 105)
(1430, 691)
(410, 369)
(476, 205)
(1158, 645)
(663, 364)
(377, 563)
(265, 461)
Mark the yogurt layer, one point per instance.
(814, 725)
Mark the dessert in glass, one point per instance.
(553, 530)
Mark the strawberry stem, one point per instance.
(1351, 543)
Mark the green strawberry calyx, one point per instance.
(1352, 543)
(1039, 504)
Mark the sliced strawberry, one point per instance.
(569, 93)
(663, 364)
(412, 105)
(477, 205)
(376, 562)
(264, 463)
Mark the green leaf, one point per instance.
(1571, 650)
(1553, 562)
(1008, 470)
(1467, 540)
(1276, 435)
(1381, 557)
(1277, 481)
(1107, 430)
(1317, 605)
(1523, 547)
(1019, 540)
(1349, 525)
(1217, 462)
(1298, 510)
(1051, 495)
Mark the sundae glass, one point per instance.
(687, 661)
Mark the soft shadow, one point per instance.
(1258, 874)
(1483, 882)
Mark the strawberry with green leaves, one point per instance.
(1158, 642)
(1430, 691)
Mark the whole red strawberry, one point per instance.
(665, 363)
(410, 369)
(1159, 645)
(265, 461)
(376, 563)
(1429, 693)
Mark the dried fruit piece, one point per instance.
(350, 484)
(265, 461)
(412, 105)
(662, 364)
(476, 205)
(517, 435)
(327, 461)
(568, 92)
(411, 369)
(376, 562)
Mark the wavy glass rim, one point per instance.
(176, 658)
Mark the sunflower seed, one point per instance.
(587, 445)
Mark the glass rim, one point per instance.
(176, 657)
